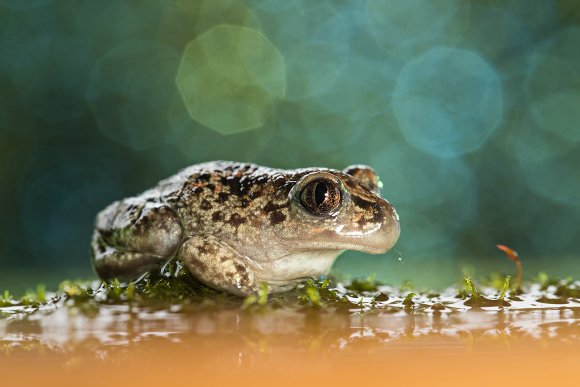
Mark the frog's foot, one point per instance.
(131, 239)
(217, 265)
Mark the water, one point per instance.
(212, 342)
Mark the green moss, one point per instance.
(477, 300)
(368, 284)
(172, 285)
(260, 299)
(504, 288)
(313, 295)
(6, 299)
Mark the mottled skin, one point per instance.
(235, 225)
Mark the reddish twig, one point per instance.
(513, 256)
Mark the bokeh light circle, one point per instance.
(405, 28)
(129, 91)
(555, 179)
(489, 25)
(229, 78)
(361, 94)
(448, 101)
(198, 143)
(553, 84)
(532, 143)
(313, 38)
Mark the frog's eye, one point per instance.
(320, 196)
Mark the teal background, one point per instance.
(468, 110)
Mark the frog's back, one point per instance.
(199, 176)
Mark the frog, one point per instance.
(236, 226)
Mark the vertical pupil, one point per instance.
(320, 193)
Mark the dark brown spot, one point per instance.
(101, 247)
(204, 177)
(277, 217)
(217, 216)
(350, 184)
(271, 206)
(233, 183)
(205, 205)
(378, 215)
(236, 219)
(285, 189)
(201, 266)
(362, 203)
(245, 202)
(260, 180)
(222, 197)
(245, 279)
(211, 187)
(196, 189)
(256, 193)
(278, 181)
(361, 222)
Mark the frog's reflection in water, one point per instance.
(234, 331)
(265, 342)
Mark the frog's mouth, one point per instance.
(347, 236)
(314, 256)
(378, 242)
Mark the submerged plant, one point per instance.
(6, 299)
(173, 285)
(504, 288)
(313, 295)
(477, 300)
(408, 301)
(368, 284)
(475, 294)
(260, 298)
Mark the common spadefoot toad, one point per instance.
(236, 225)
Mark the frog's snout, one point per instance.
(383, 239)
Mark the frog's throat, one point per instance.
(297, 265)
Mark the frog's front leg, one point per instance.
(133, 237)
(217, 265)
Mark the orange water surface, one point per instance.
(124, 345)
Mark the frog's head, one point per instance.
(334, 210)
(319, 214)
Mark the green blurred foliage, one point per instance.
(468, 110)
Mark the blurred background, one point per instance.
(469, 111)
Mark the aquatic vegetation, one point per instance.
(513, 255)
(368, 284)
(477, 300)
(174, 286)
(505, 287)
(171, 315)
(257, 299)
